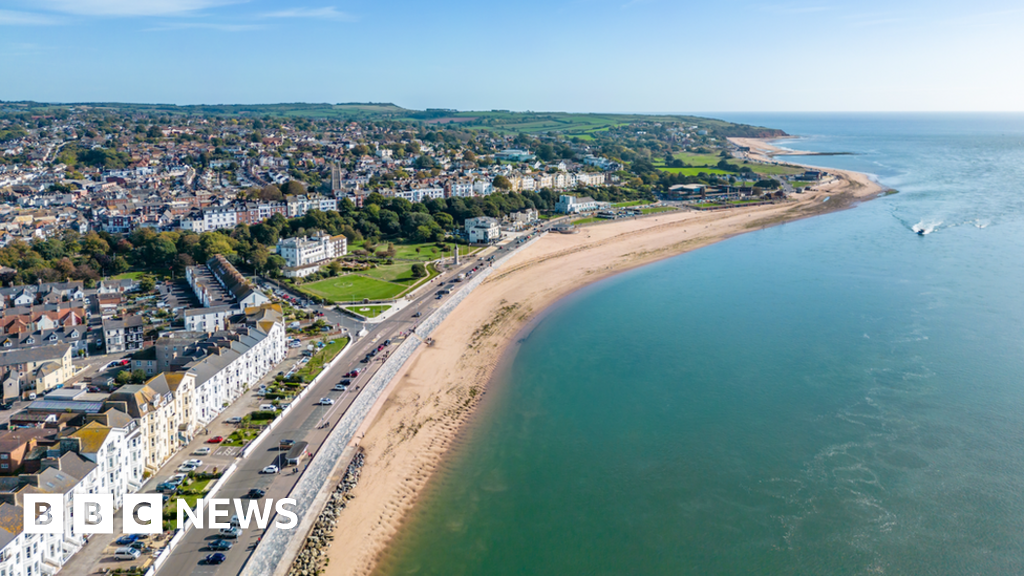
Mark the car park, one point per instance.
(272, 469)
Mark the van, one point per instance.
(127, 553)
(268, 408)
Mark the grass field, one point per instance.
(656, 209)
(369, 311)
(589, 220)
(354, 287)
(695, 171)
(628, 204)
(398, 273)
(316, 363)
(800, 183)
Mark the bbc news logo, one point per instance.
(143, 513)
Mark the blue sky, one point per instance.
(572, 55)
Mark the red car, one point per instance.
(215, 440)
(352, 374)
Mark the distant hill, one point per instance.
(583, 126)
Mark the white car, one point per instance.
(187, 468)
(202, 451)
(270, 470)
(326, 402)
(194, 462)
(339, 388)
(234, 420)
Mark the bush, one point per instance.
(419, 270)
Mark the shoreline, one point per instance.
(437, 395)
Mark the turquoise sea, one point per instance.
(836, 395)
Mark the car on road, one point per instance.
(326, 402)
(345, 382)
(194, 462)
(234, 420)
(417, 315)
(202, 451)
(215, 558)
(255, 493)
(187, 468)
(215, 440)
(221, 544)
(354, 373)
(387, 342)
(272, 469)
(366, 359)
(339, 388)
(127, 539)
(233, 532)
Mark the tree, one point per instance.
(259, 257)
(147, 283)
(294, 188)
(501, 182)
(271, 193)
(138, 376)
(120, 265)
(181, 262)
(444, 220)
(123, 377)
(419, 270)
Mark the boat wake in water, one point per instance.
(922, 227)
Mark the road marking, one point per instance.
(227, 451)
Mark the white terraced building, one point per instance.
(305, 256)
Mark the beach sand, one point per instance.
(417, 421)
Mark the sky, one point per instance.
(541, 55)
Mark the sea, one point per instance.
(836, 395)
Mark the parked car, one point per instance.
(202, 451)
(326, 402)
(233, 532)
(272, 469)
(221, 544)
(255, 493)
(6, 406)
(127, 539)
(234, 420)
(187, 468)
(166, 487)
(215, 440)
(126, 553)
(417, 315)
(194, 462)
(215, 558)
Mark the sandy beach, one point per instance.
(431, 399)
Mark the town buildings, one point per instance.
(305, 256)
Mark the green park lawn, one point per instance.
(588, 220)
(400, 273)
(369, 311)
(354, 287)
(308, 372)
(800, 183)
(628, 204)
(696, 171)
(656, 209)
